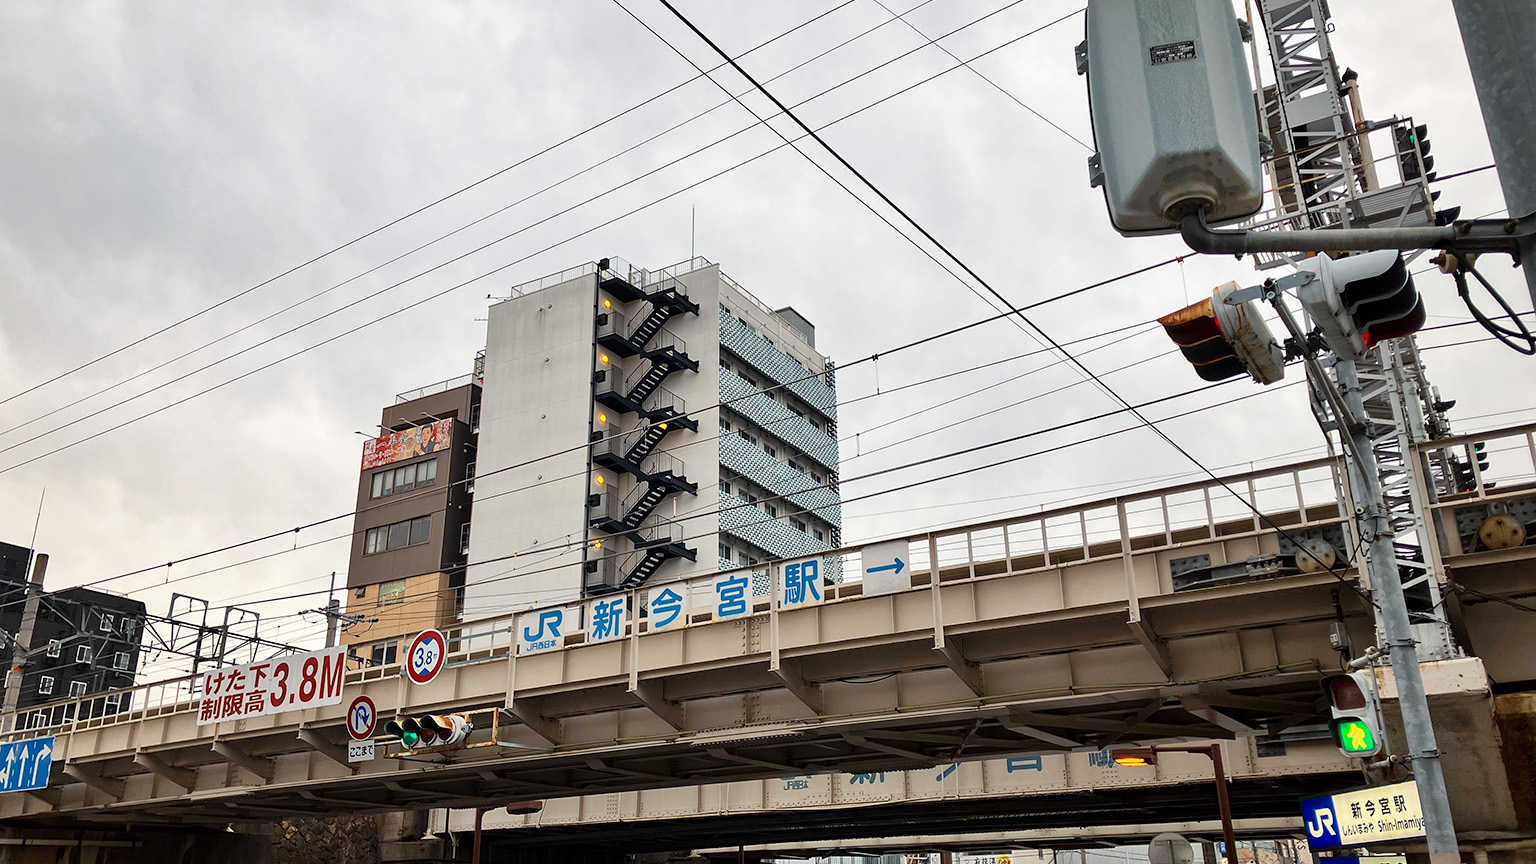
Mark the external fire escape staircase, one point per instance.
(657, 475)
(662, 476)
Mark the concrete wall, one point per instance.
(536, 402)
(428, 602)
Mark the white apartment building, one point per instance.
(632, 421)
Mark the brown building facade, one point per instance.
(410, 536)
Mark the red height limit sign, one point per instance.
(289, 683)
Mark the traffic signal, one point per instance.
(430, 730)
(1412, 147)
(1134, 757)
(1356, 725)
(1362, 300)
(1466, 478)
(1223, 340)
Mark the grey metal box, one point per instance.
(1173, 112)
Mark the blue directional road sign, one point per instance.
(25, 764)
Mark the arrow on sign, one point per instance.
(897, 567)
(42, 753)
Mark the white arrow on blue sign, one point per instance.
(25, 764)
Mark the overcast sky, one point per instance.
(160, 158)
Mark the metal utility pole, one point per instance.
(1387, 592)
(21, 646)
(1497, 36)
(333, 614)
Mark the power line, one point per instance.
(915, 343)
(953, 257)
(491, 272)
(412, 213)
(453, 232)
(978, 74)
(886, 491)
(513, 491)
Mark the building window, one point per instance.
(725, 552)
(360, 591)
(743, 557)
(114, 702)
(383, 654)
(474, 417)
(725, 425)
(752, 499)
(45, 685)
(819, 535)
(771, 450)
(411, 532)
(39, 720)
(724, 363)
(392, 592)
(120, 661)
(55, 647)
(76, 689)
(771, 510)
(799, 525)
(725, 486)
(392, 480)
(469, 478)
(83, 654)
(106, 623)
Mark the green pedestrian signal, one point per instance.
(1354, 736)
(1356, 709)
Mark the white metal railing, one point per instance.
(553, 279)
(439, 387)
(1295, 496)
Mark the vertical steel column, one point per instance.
(1387, 591)
(1497, 36)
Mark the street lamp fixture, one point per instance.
(1137, 757)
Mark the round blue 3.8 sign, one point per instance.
(425, 658)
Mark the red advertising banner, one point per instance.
(399, 446)
(282, 684)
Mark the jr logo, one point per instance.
(1322, 824)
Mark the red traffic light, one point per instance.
(1224, 340)
(1345, 692)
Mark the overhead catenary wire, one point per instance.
(548, 551)
(441, 237)
(472, 280)
(927, 235)
(978, 73)
(419, 210)
(351, 534)
(892, 489)
(909, 345)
